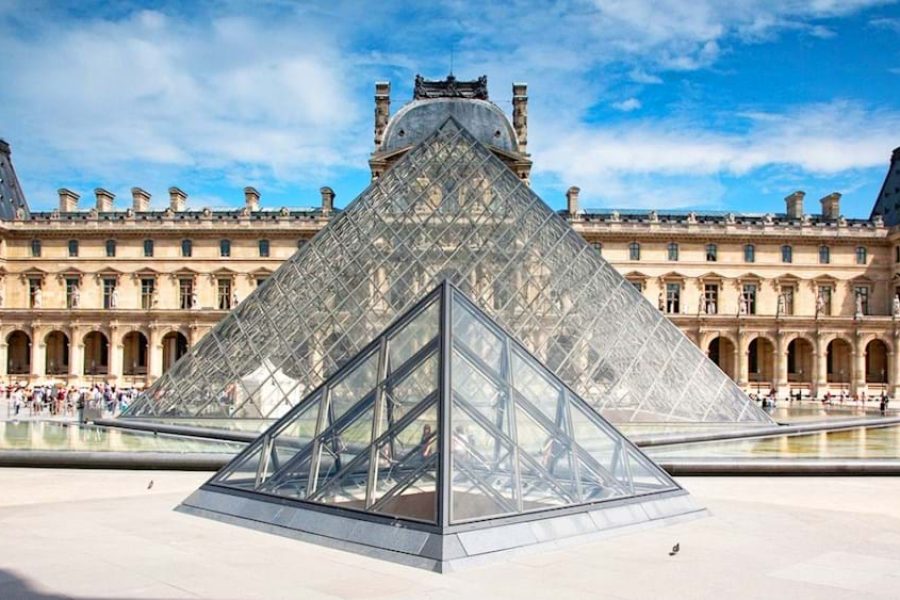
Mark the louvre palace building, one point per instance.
(106, 289)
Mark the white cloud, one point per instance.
(641, 76)
(627, 105)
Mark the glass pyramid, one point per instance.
(450, 209)
(445, 421)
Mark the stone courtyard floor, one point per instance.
(103, 534)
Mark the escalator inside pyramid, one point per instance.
(441, 443)
(449, 200)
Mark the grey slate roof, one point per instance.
(11, 196)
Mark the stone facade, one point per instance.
(791, 301)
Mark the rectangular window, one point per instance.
(34, 286)
(598, 246)
(225, 248)
(896, 253)
(824, 255)
(787, 299)
(861, 294)
(185, 292)
(749, 298)
(749, 253)
(110, 248)
(712, 253)
(300, 243)
(224, 297)
(36, 249)
(264, 248)
(673, 298)
(823, 301)
(711, 298)
(187, 248)
(148, 289)
(634, 251)
(260, 281)
(638, 285)
(787, 254)
(148, 248)
(72, 292)
(673, 251)
(73, 248)
(861, 255)
(109, 286)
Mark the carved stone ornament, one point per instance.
(450, 88)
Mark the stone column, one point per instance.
(4, 359)
(782, 387)
(38, 354)
(858, 379)
(820, 382)
(115, 355)
(154, 354)
(743, 366)
(894, 366)
(76, 355)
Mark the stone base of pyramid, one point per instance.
(452, 548)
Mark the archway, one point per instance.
(56, 353)
(800, 355)
(721, 352)
(761, 362)
(174, 345)
(18, 353)
(96, 354)
(134, 353)
(838, 361)
(877, 362)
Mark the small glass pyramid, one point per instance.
(443, 421)
(449, 209)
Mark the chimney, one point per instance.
(794, 205)
(104, 200)
(68, 200)
(831, 206)
(251, 198)
(327, 200)
(382, 109)
(572, 200)
(140, 200)
(177, 199)
(520, 114)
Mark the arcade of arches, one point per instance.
(794, 364)
(79, 356)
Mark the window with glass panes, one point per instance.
(634, 251)
(787, 254)
(73, 248)
(711, 298)
(225, 248)
(224, 293)
(749, 253)
(148, 289)
(301, 242)
(824, 255)
(712, 253)
(862, 292)
(187, 248)
(673, 298)
(71, 289)
(861, 255)
(748, 296)
(672, 251)
(260, 280)
(264, 248)
(35, 248)
(638, 284)
(185, 292)
(110, 248)
(598, 246)
(148, 248)
(109, 286)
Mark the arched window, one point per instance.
(712, 253)
(264, 248)
(749, 253)
(225, 248)
(110, 248)
(861, 255)
(787, 253)
(634, 251)
(824, 255)
(673, 251)
(187, 248)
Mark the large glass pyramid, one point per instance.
(442, 424)
(450, 209)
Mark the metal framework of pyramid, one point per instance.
(450, 209)
(442, 442)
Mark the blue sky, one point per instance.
(700, 104)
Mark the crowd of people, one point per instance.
(57, 400)
(769, 400)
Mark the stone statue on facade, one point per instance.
(859, 306)
(820, 304)
(76, 298)
(661, 302)
(2, 294)
(114, 298)
(38, 299)
(195, 301)
(235, 299)
(780, 304)
(895, 306)
(742, 306)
